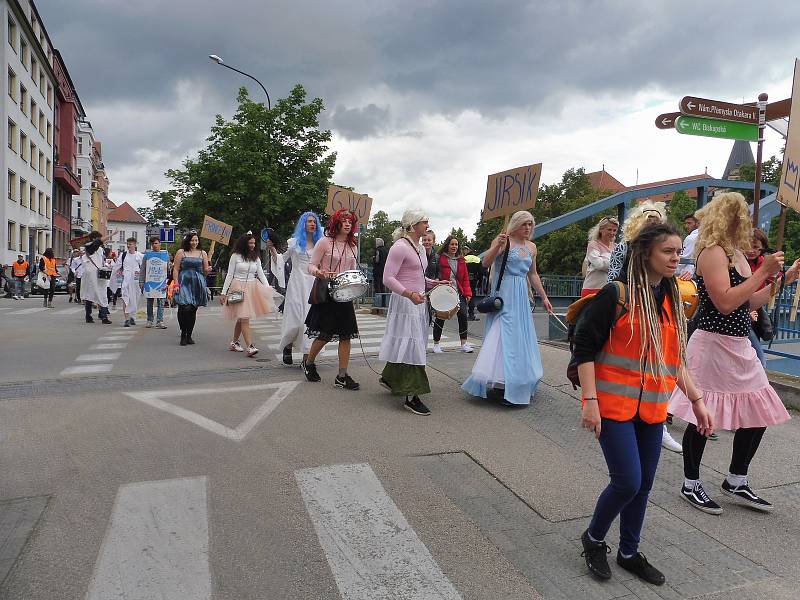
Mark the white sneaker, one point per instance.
(252, 351)
(236, 347)
(437, 349)
(668, 442)
(467, 347)
(149, 325)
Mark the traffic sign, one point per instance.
(716, 129)
(716, 109)
(265, 235)
(167, 234)
(667, 120)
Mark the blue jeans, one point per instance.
(632, 450)
(758, 348)
(159, 309)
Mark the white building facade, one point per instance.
(125, 222)
(82, 204)
(27, 157)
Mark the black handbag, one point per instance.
(493, 302)
(763, 326)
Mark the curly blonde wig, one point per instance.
(637, 218)
(724, 222)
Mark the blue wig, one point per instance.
(299, 233)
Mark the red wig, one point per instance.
(335, 225)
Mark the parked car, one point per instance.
(61, 283)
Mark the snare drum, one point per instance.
(444, 301)
(689, 296)
(348, 286)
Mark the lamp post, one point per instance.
(219, 61)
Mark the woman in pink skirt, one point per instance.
(721, 360)
(245, 275)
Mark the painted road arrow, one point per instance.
(716, 129)
(716, 109)
(667, 120)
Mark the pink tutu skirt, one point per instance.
(257, 301)
(735, 387)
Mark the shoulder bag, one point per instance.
(237, 296)
(493, 302)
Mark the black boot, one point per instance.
(189, 339)
(287, 355)
(183, 338)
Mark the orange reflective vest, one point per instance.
(50, 266)
(625, 387)
(20, 268)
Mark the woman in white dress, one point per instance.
(307, 232)
(127, 267)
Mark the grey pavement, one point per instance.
(498, 497)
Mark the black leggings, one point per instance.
(187, 315)
(49, 293)
(438, 324)
(745, 444)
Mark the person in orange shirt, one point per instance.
(629, 363)
(47, 265)
(19, 272)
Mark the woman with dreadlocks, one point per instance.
(629, 361)
(720, 357)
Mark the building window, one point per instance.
(24, 54)
(34, 69)
(41, 203)
(34, 157)
(12, 33)
(121, 235)
(12, 135)
(80, 146)
(48, 203)
(49, 96)
(23, 193)
(135, 235)
(34, 116)
(23, 146)
(49, 133)
(12, 84)
(32, 196)
(41, 163)
(50, 170)
(41, 123)
(80, 177)
(41, 83)
(12, 185)
(12, 235)
(23, 99)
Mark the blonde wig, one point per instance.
(643, 306)
(637, 218)
(518, 219)
(410, 218)
(594, 232)
(724, 222)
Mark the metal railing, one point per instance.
(562, 286)
(786, 331)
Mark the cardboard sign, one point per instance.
(77, 242)
(789, 184)
(359, 204)
(155, 274)
(510, 191)
(216, 231)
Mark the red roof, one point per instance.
(110, 205)
(125, 213)
(602, 180)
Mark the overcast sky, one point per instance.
(426, 98)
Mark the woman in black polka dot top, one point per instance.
(720, 358)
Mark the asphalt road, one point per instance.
(134, 468)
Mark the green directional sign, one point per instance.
(717, 129)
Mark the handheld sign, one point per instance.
(265, 235)
(358, 204)
(511, 190)
(216, 231)
(789, 184)
(155, 274)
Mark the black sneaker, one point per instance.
(595, 555)
(385, 384)
(287, 356)
(745, 496)
(345, 383)
(638, 565)
(310, 371)
(106, 321)
(416, 406)
(698, 498)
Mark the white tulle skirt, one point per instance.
(406, 335)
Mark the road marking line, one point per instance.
(372, 550)
(356, 349)
(86, 369)
(114, 338)
(98, 357)
(155, 399)
(107, 347)
(69, 311)
(28, 311)
(157, 543)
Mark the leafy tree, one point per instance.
(263, 167)
(379, 226)
(770, 173)
(679, 206)
(163, 209)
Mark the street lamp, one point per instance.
(219, 61)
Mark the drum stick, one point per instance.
(772, 295)
(555, 316)
(795, 301)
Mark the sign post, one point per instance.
(762, 121)
(510, 191)
(358, 204)
(717, 129)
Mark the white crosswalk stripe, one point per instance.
(28, 311)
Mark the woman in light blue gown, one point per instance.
(509, 364)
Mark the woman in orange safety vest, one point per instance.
(630, 358)
(47, 265)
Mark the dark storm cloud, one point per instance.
(436, 56)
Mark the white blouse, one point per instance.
(243, 270)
